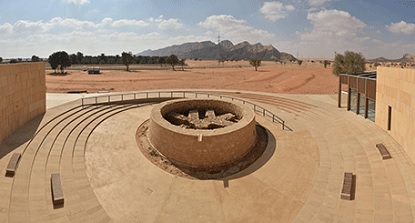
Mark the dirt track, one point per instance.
(270, 77)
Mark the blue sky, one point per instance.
(304, 28)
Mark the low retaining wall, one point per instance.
(202, 148)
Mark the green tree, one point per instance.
(349, 63)
(326, 63)
(127, 59)
(182, 63)
(173, 60)
(73, 58)
(255, 62)
(59, 60)
(161, 61)
(80, 57)
(102, 59)
(299, 62)
(1, 60)
(35, 58)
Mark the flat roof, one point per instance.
(369, 75)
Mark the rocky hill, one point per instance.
(225, 50)
(406, 58)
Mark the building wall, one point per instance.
(22, 95)
(396, 88)
(202, 149)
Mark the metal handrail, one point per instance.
(105, 99)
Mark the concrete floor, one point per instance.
(105, 178)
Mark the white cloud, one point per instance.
(159, 19)
(332, 30)
(236, 30)
(71, 23)
(170, 24)
(25, 26)
(128, 22)
(222, 22)
(402, 27)
(78, 2)
(317, 2)
(276, 10)
(6, 28)
(167, 23)
(332, 23)
(106, 21)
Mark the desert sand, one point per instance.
(309, 78)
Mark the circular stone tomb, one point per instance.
(202, 133)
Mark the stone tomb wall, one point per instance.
(201, 148)
(22, 95)
(395, 105)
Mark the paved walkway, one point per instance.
(57, 99)
(105, 177)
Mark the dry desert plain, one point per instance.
(309, 78)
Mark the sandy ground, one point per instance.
(309, 78)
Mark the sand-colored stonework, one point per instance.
(202, 148)
(132, 189)
(298, 178)
(396, 90)
(22, 95)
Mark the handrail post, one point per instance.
(263, 112)
(109, 99)
(196, 95)
(283, 124)
(254, 107)
(171, 94)
(96, 100)
(82, 102)
(159, 94)
(146, 94)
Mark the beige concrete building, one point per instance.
(395, 105)
(22, 95)
(387, 97)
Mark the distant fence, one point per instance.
(131, 97)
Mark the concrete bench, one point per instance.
(383, 151)
(348, 186)
(13, 163)
(57, 192)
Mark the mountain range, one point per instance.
(406, 58)
(225, 50)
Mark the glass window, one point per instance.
(362, 105)
(353, 101)
(371, 110)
